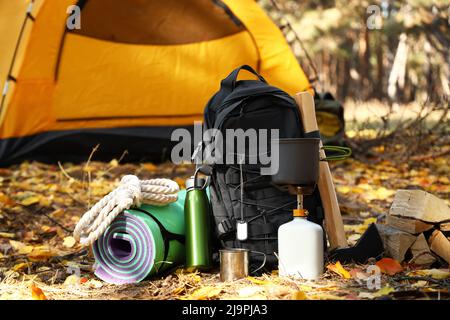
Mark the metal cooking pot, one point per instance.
(298, 162)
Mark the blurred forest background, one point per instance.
(388, 61)
(396, 51)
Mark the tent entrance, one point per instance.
(157, 22)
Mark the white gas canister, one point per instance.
(300, 248)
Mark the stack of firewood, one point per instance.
(417, 228)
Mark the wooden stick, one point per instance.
(334, 225)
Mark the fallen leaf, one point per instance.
(30, 200)
(358, 274)
(205, 293)
(20, 266)
(369, 221)
(69, 242)
(385, 291)
(326, 296)
(389, 266)
(299, 295)
(366, 295)
(355, 228)
(420, 284)
(7, 235)
(250, 291)
(276, 291)
(352, 239)
(72, 280)
(6, 200)
(45, 202)
(93, 283)
(114, 163)
(58, 213)
(40, 253)
(20, 247)
(339, 269)
(258, 281)
(83, 280)
(178, 290)
(37, 293)
(305, 288)
(439, 274)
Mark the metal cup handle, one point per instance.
(264, 262)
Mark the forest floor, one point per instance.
(40, 205)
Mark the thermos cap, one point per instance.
(193, 183)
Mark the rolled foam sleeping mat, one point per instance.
(141, 242)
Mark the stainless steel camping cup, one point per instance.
(233, 264)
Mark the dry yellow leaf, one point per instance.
(20, 266)
(339, 269)
(277, 291)
(205, 293)
(7, 235)
(30, 200)
(20, 247)
(58, 213)
(40, 253)
(369, 221)
(439, 274)
(45, 202)
(114, 163)
(299, 295)
(250, 291)
(258, 281)
(420, 284)
(357, 228)
(343, 189)
(69, 242)
(305, 288)
(178, 290)
(385, 291)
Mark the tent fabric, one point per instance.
(134, 64)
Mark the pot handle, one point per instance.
(345, 153)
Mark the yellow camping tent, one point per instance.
(132, 72)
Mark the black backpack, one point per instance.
(330, 119)
(242, 105)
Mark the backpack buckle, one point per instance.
(225, 227)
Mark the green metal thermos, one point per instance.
(197, 219)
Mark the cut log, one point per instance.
(408, 224)
(421, 253)
(419, 205)
(440, 245)
(396, 242)
(444, 226)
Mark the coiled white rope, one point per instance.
(131, 192)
